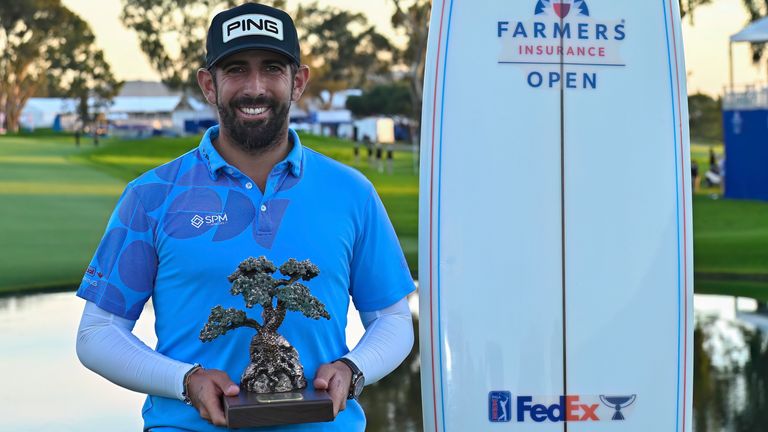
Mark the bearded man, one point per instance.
(249, 189)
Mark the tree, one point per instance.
(274, 363)
(705, 117)
(687, 7)
(37, 37)
(80, 71)
(172, 35)
(384, 99)
(411, 19)
(342, 49)
(756, 9)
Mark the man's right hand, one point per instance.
(205, 389)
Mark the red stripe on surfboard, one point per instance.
(431, 209)
(685, 216)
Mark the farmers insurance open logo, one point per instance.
(562, 31)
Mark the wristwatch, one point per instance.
(185, 393)
(358, 380)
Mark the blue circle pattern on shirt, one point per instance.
(157, 210)
(194, 202)
(241, 213)
(113, 240)
(137, 251)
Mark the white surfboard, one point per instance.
(555, 218)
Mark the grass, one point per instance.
(56, 199)
(53, 212)
(730, 236)
(730, 239)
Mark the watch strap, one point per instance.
(357, 375)
(185, 393)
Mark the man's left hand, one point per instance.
(335, 378)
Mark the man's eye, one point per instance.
(274, 69)
(235, 70)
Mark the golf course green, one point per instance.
(56, 198)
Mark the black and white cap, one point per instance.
(251, 26)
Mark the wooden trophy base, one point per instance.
(249, 409)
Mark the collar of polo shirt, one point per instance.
(215, 162)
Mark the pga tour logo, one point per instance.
(561, 32)
(499, 406)
(571, 408)
(198, 221)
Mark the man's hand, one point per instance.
(334, 378)
(206, 386)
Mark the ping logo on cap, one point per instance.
(252, 25)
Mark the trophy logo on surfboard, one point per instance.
(617, 403)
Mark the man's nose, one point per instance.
(255, 84)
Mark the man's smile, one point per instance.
(253, 111)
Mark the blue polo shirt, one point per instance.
(180, 229)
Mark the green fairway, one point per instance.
(56, 200)
(53, 212)
(730, 236)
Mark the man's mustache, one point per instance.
(244, 101)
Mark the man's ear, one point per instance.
(205, 81)
(300, 81)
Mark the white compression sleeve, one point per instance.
(107, 346)
(387, 340)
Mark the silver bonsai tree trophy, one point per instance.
(273, 387)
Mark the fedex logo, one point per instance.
(555, 409)
(569, 408)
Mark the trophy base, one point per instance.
(249, 409)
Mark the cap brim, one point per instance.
(252, 46)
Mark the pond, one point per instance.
(47, 389)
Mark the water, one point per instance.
(46, 388)
(730, 366)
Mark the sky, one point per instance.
(706, 41)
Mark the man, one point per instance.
(249, 189)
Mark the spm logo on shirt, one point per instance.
(198, 221)
(499, 406)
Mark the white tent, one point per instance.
(756, 31)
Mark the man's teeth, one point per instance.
(253, 111)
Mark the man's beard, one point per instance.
(255, 136)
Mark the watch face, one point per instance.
(359, 386)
